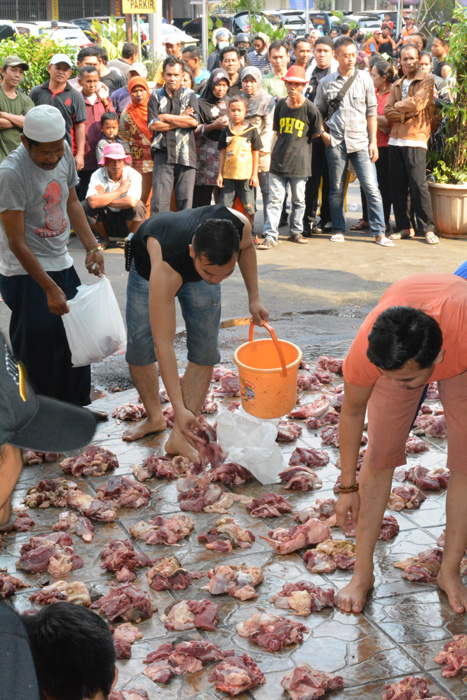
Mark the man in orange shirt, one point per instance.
(415, 335)
(407, 31)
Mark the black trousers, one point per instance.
(39, 340)
(407, 169)
(319, 169)
(384, 184)
(167, 177)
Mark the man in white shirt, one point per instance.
(113, 203)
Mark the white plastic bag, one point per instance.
(251, 442)
(94, 325)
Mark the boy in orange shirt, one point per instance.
(239, 144)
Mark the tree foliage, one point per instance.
(453, 167)
(111, 35)
(36, 52)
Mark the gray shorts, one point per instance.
(201, 308)
(241, 189)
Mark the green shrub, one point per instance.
(36, 54)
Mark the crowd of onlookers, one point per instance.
(298, 121)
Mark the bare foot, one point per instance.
(352, 598)
(178, 445)
(143, 428)
(451, 584)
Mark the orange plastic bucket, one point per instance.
(268, 375)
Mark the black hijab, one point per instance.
(210, 106)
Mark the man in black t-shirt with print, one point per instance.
(296, 122)
(183, 255)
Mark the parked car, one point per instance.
(66, 32)
(241, 20)
(7, 30)
(194, 26)
(324, 21)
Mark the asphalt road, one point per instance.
(317, 295)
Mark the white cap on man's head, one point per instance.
(44, 124)
(139, 68)
(60, 58)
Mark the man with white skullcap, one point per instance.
(38, 202)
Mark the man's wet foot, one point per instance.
(455, 590)
(143, 428)
(352, 598)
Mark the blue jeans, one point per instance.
(263, 178)
(278, 189)
(201, 309)
(338, 159)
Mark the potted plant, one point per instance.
(449, 186)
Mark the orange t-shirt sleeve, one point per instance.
(357, 368)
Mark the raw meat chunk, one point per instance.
(300, 478)
(271, 631)
(308, 457)
(268, 506)
(410, 688)
(317, 409)
(10, 584)
(129, 694)
(125, 601)
(424, 478)
(230, 384)
(212, 499)
(330, 364)
(125, 636)
(236, 674)
(303, 598)
(192, 614)
(415, 445)
(130, 411)
(170, 660)
(431, 426)
(389, 528)
(124, 492)
(75, 525)
(323, 509)
(120, 557)
(159, 531)
(90, 507)
(21, 523)
(49, 492)
(422, 568)
(453, 657)
(157, 467)
(286, 541)
(305, 683)
(209, 405)
(71, 592)
(96, 461)
(226, 536)
(231, 474)
(329, 556)
(288, 432)
(31, 457)
(53, 553)
(409, 497)
(236, 581)
(167, 574)
(306, 382)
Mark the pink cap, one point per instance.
(116, 152)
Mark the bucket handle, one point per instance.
(274, 340)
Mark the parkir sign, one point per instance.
(139, 7)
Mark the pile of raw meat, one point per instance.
(147, 561)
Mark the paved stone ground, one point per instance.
(402, 629)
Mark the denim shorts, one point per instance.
(201, 308)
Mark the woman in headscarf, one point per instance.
(260, 113)
(135, 135)
(213, 109)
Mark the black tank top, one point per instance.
(175, 230)
(438, 68)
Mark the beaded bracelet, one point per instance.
(348, 489)
(94, 250)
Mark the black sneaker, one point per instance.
(284, 221)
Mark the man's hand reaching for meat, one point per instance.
(188, 426)
(347, 509)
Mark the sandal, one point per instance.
(402, 235)
(360, 226)
(297, 239)
(337, 238)
(384, 241)
(268, 243)
(431, 238)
